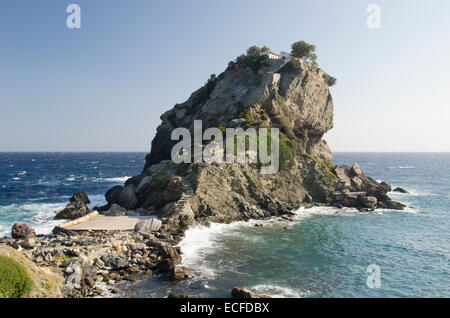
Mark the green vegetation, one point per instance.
(244, 113)
(290, 67)
(253, 59)
(329, 79)
(222, 128)
(301, 49)
(15, 281)
(253, 51)
(265, 49)
(326, 165)
(203, 94)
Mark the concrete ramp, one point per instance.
(107, 223)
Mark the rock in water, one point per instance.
(400, 190)
(72, 211)
(168, 251)
(239, 292)
(252, 92)
(148, 226)
(19, 231)
(80, 196)
(178, 273)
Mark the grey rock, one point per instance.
(239, 292)
(127, 198)
(148, 226)
(115, 262)
(400, 190)
(19, 231)
(145, 180)
(72, 211)
(80, 196)
(113, 194)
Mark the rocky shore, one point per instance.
(252, 92)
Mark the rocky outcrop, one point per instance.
(80, 196)
(400, 190)
(148, 226)
(76, 208)
(253, 92)
(355, 189)
(239, 292)
(22, 231)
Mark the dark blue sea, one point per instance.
(322, 253)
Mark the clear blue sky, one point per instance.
(104, 86)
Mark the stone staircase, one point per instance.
(188, 192)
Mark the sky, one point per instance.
(103, 87)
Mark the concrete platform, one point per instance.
(108, 223)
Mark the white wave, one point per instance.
(15, 179)
(116, 179)
(277, 291)
(70, 179)
(37, 215)
(21, 173)
(401, 167)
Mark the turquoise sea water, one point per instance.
(322, 253)
(326, 254)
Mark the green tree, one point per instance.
(265, 49)
(301, 49)
(329, 79)
(253, 51)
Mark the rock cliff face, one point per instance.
(253, 92)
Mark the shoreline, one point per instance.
(113, 279)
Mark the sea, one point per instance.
(322, 252)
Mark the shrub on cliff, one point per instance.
(290, 67)
(329, 79)
(15, 282)
(301, 49)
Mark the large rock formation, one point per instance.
(76, 208)
(291, 95)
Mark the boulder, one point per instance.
(148, 226)
(127, 198)
(138, 247)
(60, 230)
(115, 262)
(167, 251)
(72, 211)
(19, 231)
(354, 171)
(145, 180)
(80, 196)
(369, 203)
(178, 273)
(28, 243)
(357, 183)
(391, 205)
(400, 190)
(239, 292)
(113, 194)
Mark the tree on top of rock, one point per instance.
(301, 49)
(253, 51)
